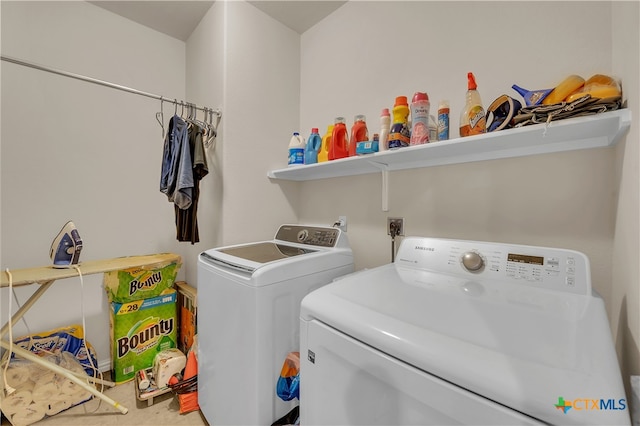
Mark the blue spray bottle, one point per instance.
(313, 146)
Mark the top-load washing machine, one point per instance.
(248, 317)
(461, 332)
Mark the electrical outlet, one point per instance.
(397, 223)
(342, 220)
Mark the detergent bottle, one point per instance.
(443, 120)
(339, 145)
(296, 150)
(472, 117)
(385, 125)
(359, 133)
(399, 135)
(323, 154)
(419, 119)
(312, 147)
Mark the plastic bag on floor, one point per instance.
(39, 392)
(63, 339)
(288, 386)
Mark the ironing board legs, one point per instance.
(27, 305)
(83, 382)
(66, 373)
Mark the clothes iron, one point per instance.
(66, 247)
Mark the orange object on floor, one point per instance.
(189, 401)
(191, 368)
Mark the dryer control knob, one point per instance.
(472, 261)
(303, 235)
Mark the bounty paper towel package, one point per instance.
(139, 331)
(130, 285)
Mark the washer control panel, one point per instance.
(310, 235)
(551, 268)
(473, 261)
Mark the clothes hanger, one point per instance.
(194, 119)
(207, 125)
(160, 116)
(210, 142)
(192, 113)
(189, 118)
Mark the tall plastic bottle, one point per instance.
(323, 154)
(385, 125)
(296, 150)
(419, 119)
(472, 117)
(339, 146)
(443, 120)
(359, 133)
(399, 135)
(314, 143)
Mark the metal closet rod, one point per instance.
(108, 84)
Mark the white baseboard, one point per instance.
(104, 365)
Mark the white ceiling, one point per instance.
(179, 18)
(299, 15)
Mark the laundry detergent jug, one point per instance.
(359, 133)
(312, 147)
(296, 150)
(323, 155)
(339, 146)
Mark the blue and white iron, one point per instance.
(66, 247)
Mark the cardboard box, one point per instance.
(130, 285)
(187, 310)
(139, 330)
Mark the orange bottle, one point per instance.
(339, 145)
(359, 133)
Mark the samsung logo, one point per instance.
(425, 248)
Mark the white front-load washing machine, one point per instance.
(461, 332)
(248, 317)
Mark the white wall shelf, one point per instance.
(595, 131)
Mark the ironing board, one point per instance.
(45, 276)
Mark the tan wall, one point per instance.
(582, 200)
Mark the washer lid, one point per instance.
(254, 260)
(296, 251)
(520, 346)
(264, 252)
(270, 262)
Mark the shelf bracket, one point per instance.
(384, 169)
(385, 190)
